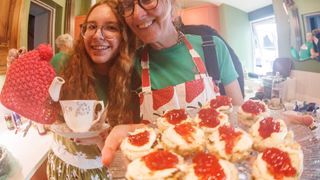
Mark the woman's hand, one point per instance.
(114, 140)
(98, 140)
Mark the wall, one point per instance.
(306, 90)
(283, 29)
(203, 14)
(235, 28)
(82, 7)
(261, 13)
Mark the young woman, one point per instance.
(99, 68)
(169, 62)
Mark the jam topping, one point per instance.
(175, 116)
(160, 160)
(209, 117)
(229, 136)
(185, 130)
(278, 163)
(139, 139)
(220, 101)
(253, 107)
(268, 126)
(207, 167)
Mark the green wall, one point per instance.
(283, 28)
(235, 28)
(82, 7)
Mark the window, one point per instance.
(265, 50)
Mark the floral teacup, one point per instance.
(80, 115)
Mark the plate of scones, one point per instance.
(221, 141)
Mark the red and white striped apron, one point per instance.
(191, 93)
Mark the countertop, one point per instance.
(28, 152)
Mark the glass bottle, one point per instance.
(9, 121)
(276, 96)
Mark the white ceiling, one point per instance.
(244, 5)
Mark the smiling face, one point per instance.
(155, 25)
(102, 48)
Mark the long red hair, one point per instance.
(80, 79)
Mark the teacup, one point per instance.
(80, 115)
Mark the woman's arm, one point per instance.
(233, 90)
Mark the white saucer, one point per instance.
(63, 130)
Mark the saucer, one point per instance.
(63, 130)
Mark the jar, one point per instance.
(9, 121)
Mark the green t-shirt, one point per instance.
(58, 61)
(174, 65)
(305, 50)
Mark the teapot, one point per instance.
(55, 87)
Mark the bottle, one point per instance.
(41, 129)
(276, 96)
(17, 120)
(9, 121)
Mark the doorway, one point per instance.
(265, 44)
(41, 24)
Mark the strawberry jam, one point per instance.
(139, 139)
(175, 116)
(160, 160)
(278, 163)
(268, 126)
(185, 130)
(253, 107)
(229, 136)
(207, 167)
(209, 117)
(220, 101)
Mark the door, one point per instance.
(9, 29)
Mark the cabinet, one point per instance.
(77, 22)
(207, 14)
(9, 29)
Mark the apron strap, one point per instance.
(145, 73)
(195, 56)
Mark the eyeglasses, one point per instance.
(107, 30)
(126, 7)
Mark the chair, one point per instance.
(283, 66)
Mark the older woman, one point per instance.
(170, 66)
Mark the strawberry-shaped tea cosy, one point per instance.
(25, 90)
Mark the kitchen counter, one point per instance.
(28, 152)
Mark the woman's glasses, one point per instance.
(126, 7)
(108, 31)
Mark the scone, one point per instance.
(157, 165)
(138, 143)
(283, 162)
(268, 132)
(230, 143)
(172, 118)
(209, 119)
(250, 111)
(208, 166)
(184, 139)
(221, 104)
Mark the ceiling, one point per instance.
(244, 5)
